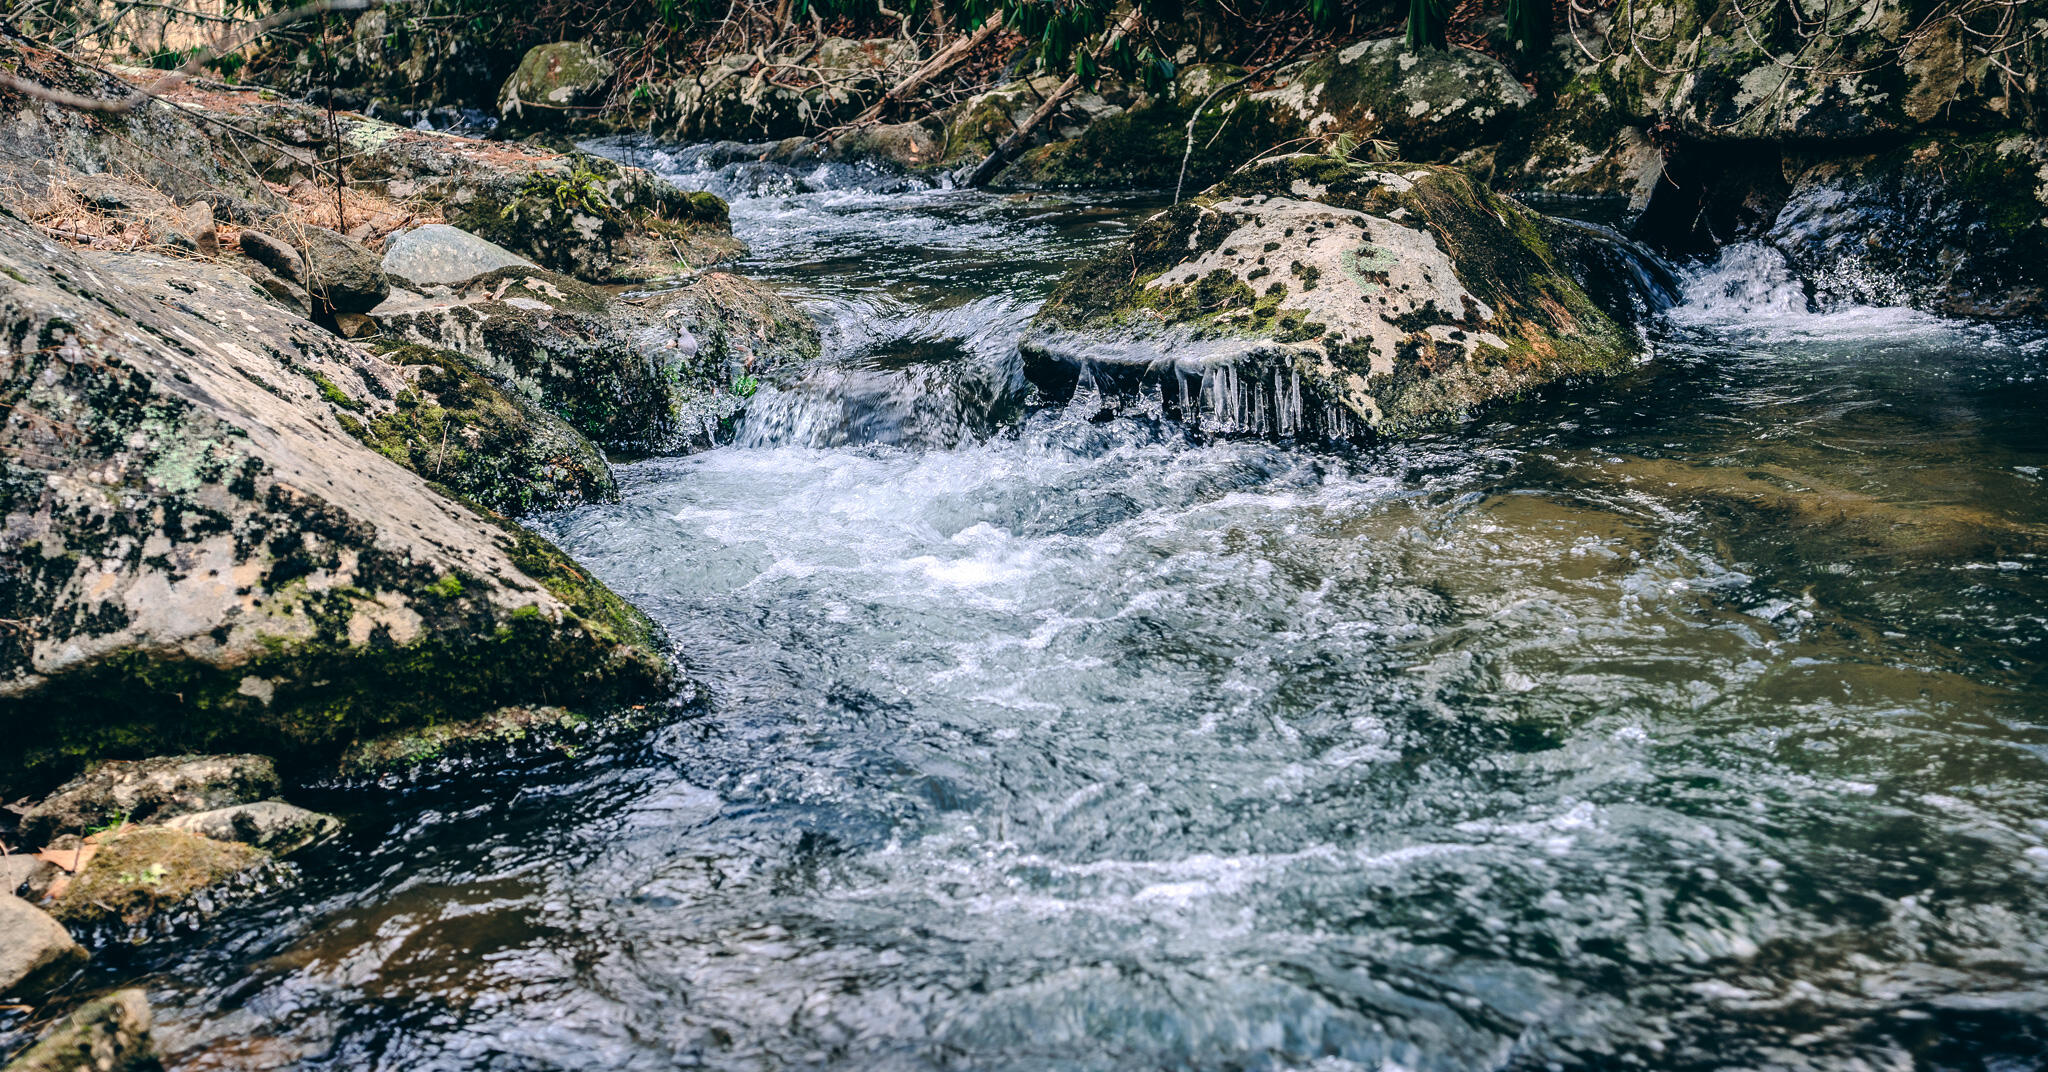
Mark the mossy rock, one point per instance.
(1431, 104)
(140, 871)
(1311, 296)
(556, 83)
(455, 426)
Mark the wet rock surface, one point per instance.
(140, 871)
(1313, 297)
(260, 565)
(107, 1034)
(271, 825)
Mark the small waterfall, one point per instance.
(1753, 289)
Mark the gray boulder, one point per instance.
(149, 790)
(36, 952)
(633, 372)
(266, 824)
(440, 255)
(110, 1034)
(1431, 103)
(339, 275)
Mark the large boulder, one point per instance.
(1959, 226)
(1432, 104)
(634, 373)
(556, 83)
(36, 952)
(1730, 71)
(203, 558)
(148, 790)
(1309, 296)
(107, 1034)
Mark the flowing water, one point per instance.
(1697, 719)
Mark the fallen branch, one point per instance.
(947, 59)
(1189, 153)
(1021, 137)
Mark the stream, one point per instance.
(1696, 719)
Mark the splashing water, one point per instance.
(1697, 719)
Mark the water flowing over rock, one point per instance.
(1314, 297)
(631, 372)
(204, 557)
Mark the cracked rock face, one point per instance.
(1313, 297)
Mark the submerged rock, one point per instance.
(149, 790)
(141, 870)
(207, 559)
(1308, 296)
(36, 952)
(440, 255)
(510, 729)
(271, 825)
(109, 1034)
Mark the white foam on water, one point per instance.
(1752, 291)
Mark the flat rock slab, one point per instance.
(267, 824)
(440, 255)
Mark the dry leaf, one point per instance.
(72, 860)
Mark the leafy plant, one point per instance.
(744, 385)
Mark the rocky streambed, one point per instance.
(1344, 617)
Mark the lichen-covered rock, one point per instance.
(1144, 145)
(36, 952)
(201, 557)
(1308, 296)
(141, 870)
(493, 446)
(440, 255)
(975, 126)
(1725, 70)
(149, 790)
(556, 83)
(107, 1034)
(271, 825)
(631, 372)
(1432, 104)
